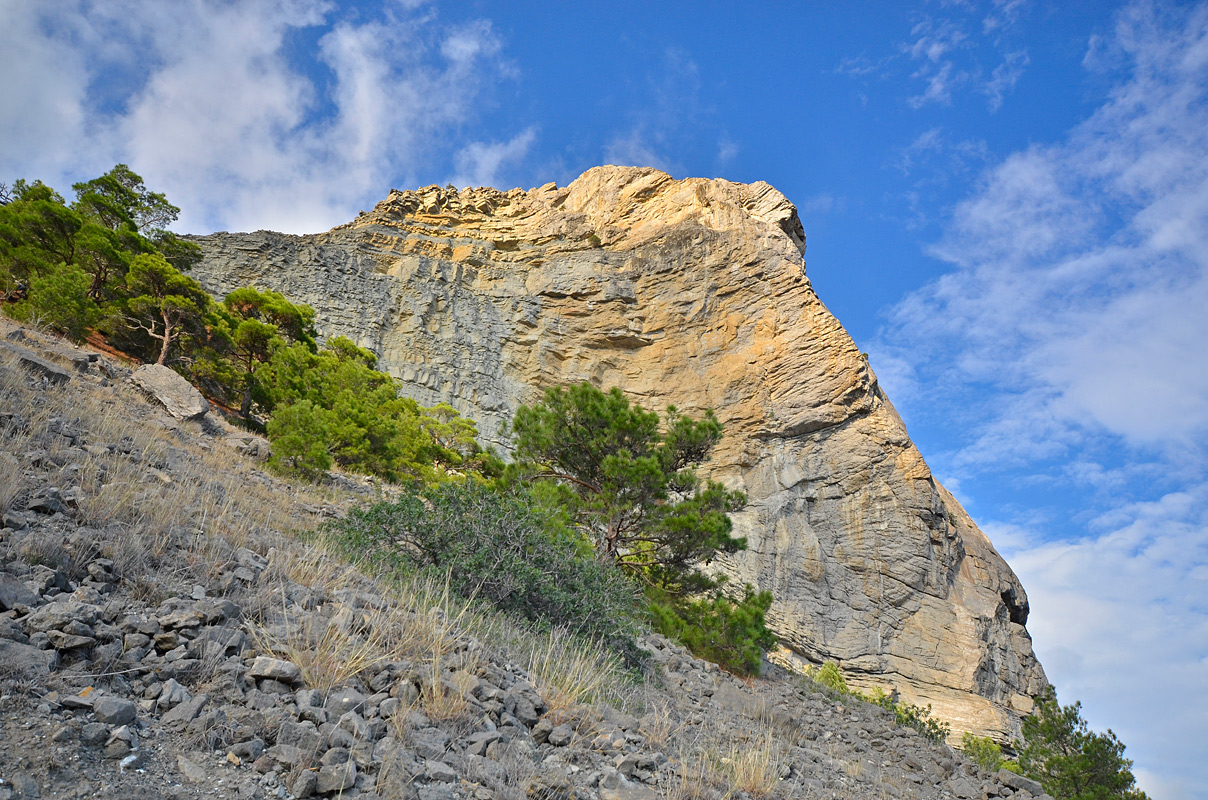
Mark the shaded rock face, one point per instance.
(690, 293)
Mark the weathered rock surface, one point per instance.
(177, 395)
(690, 293)
(172, 696)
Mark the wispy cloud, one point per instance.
(669, 118)
(1121, 617)
(931, 48)
(1004, 77)
(214, 111)
(967, 49)
(1070, 330)
(483, 163)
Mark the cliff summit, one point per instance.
(693, 293)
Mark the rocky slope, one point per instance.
(164, 635)
(690, 293)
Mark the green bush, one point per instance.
(1071, 761)
(829, 676)
(911, 716)
(983, 750)
(731, 634)
(301, 438)
(496, 548)
(906, 714)
(624, 482)
(370, 428)
(58, 299)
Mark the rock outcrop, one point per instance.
(690, 293)
(174, 393)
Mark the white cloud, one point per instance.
(216, 113)
(932, 47)
(1004, 78)
(946, 55)
(1083, 266)
(480, 163)
(42, 95)
(671, 115)
(1120, 621)
(1070, 330)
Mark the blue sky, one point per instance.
(1006, 204)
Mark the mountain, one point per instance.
(692, 293)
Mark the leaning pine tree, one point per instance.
(627, 480)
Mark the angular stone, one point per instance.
(306, 784)
(250, 750)
(14, 592)
(187, 711)
(629, 791)
(287, 755)
(114, 710)
(254, 447)
(172, 694)
(302, 735)
(561, 735)
(191, 771)
(173, 392)
(439, 772)
(477, 743)
(66, 641)
(55, 616)
(26, 660)
(337, 777)
(355, 725)
(94, 734)
(37, 365)
(430, 743)
(341, 701)
(1020, 783)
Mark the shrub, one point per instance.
(1069, 760)
(911, 716)
(371, 429)
(495, 547)
(624, 482)
(829, 676)
(301, 437)
(631, 483)
(731, 634)
(59, 300)
(983, 750)
(906, 714)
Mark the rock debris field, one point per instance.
(169, 630)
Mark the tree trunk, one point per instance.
(163, 351)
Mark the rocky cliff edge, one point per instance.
(690, 293)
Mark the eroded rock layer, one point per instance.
(690, 293)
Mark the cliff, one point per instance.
(690, 293)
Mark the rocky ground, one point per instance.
(168, 631)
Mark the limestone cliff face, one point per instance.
(690, 293)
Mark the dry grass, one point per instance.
(12, 474)
(754, 767)
(660, 726)
(328, 656)
(717, 770)
(569, 671)
(169, 507)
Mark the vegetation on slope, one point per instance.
(600, 488)
(106, 263)
(626, 481)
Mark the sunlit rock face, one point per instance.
(690, 293)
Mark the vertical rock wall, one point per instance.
(693, 293)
